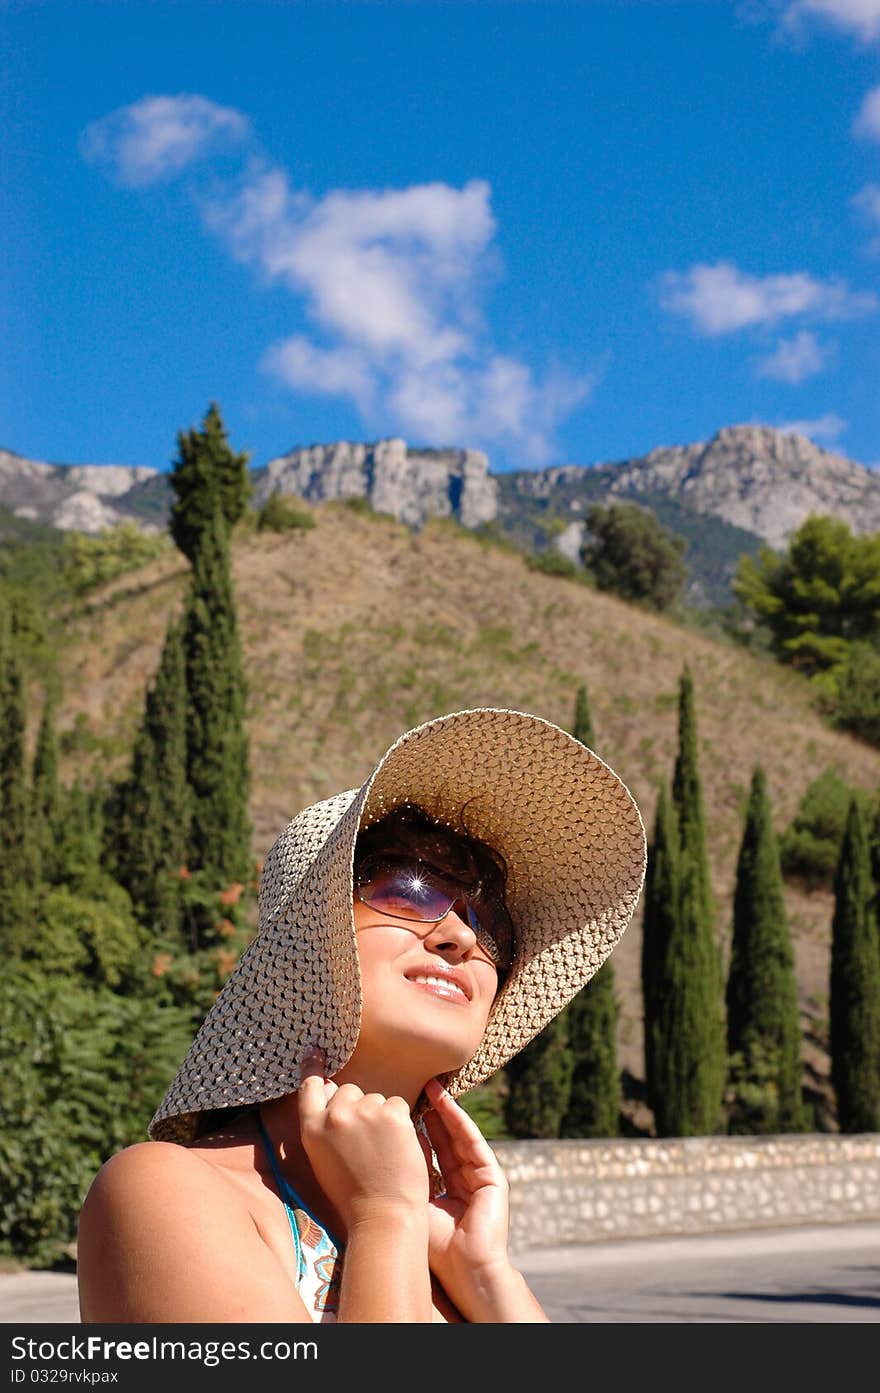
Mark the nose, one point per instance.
(452, 935)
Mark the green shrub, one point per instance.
(78, 935)
(553, 563)
(491, 534)
(630, 553)
(358, 504)
(81, 1073)
(281, 513)
(851, 693)
(91, 561)
(810, 845)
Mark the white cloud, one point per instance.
(157, 137)
(390, 271)
(721, 299)
(827, 427)
(394, 281)
(859, 17)
(334, 372)
(867, 203)
(867, 123)
(499, 400)
(794, 359)
(867, 200)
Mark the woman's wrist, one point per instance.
(402, 1215)
(500, 1293)
(385, 1275)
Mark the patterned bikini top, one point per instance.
(318, 1254)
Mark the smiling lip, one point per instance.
(447, 983)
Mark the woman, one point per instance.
(309, 1161)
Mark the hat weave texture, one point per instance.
(575, 847)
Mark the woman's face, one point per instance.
(427, 988)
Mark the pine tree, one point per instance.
(661, 904)
(154, 806)
(689, 1064)
(855, 984)
(206, 475)
(594, 1097)
(218, 771)
(539, 1083)
(582, 728)
(763, 1027)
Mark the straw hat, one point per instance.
(575, 848)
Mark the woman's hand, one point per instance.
(365, 1155)
(468, 1225)
(362, 1147)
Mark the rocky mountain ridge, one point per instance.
(410, 483)
(754, 479)
(73, 497)
(762, 480)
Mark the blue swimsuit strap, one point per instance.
(288, 1194)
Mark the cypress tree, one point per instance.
(80, 839)
(154, 813)
(582, 728)
(539, 1083)
(594, 1096)
(855, 984)
(659, 916)
(205, 475)
(691, 1055)
(46, 788)
(218, 771)
(687, 797)
(763, 1026)
(19, 857)
(593, 1107)
(875, 854)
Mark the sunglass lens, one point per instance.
(491, 928)
(410, 890)
(403, 892)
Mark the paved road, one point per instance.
(821, 1274)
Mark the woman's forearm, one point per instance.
(501, 1295)
(385, 1276)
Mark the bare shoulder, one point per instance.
(143, 1164)
(165, 1236)
(159, 1180)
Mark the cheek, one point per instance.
(489, 990)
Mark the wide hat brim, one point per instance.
(575, 847)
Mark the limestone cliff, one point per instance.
(757, 480)
(411, 484)
(71, 497)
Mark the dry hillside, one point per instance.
(357, 629)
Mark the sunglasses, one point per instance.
(406, 887)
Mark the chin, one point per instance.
(439, 1053)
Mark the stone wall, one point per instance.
(565, 1192)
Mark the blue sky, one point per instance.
(559, 232)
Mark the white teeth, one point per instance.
(440, 982)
